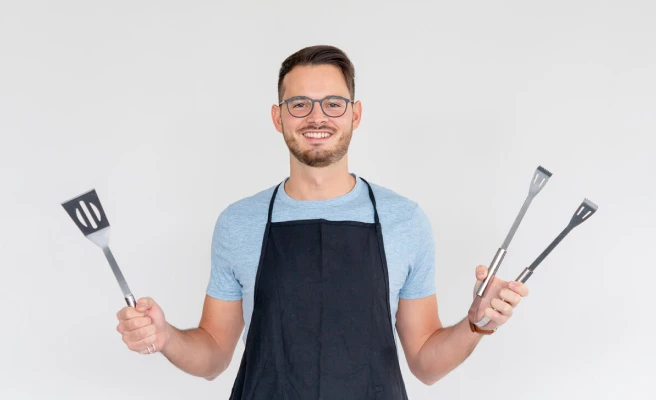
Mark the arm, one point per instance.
(206, 351)
(431, 350)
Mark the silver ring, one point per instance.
(154, 349)
(148, 348)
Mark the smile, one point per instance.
(317, 135)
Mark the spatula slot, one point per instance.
(80, 218)
(87, 213)
(95, 210)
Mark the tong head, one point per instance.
(540, 179)
(585, 211)
(87, 212)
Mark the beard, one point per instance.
(319, 156)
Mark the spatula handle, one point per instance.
(130, 300)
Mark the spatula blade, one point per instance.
(87, 212)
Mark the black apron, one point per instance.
(321, 326)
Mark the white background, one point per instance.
(164, 108)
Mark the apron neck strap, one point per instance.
(373, 201)
(273, 198)
(371, 197)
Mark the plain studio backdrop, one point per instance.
(164, 108)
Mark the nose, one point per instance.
(317, 117)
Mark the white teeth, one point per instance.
(317, 135)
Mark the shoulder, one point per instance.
(395, 207)
(245, 209)
(251, 204)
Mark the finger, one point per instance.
(144, 304)
(141, 333)
(510, 297)
(150, 349)
(495, 316)
(518, 288)
(502, 307)
(133, 324)
(139, 345)
(128, 313)
(481, 272)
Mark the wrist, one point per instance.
(167, 335)
(479, 331)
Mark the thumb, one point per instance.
(144, 304)
(481, 273)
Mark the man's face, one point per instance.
(316, 140)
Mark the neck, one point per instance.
(310, 183)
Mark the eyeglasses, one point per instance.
(302, 106)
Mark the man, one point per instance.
(319, 269)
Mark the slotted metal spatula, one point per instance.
(88, 214)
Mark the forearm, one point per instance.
(195, 352)
(444, 351)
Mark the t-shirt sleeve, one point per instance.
(223, 284)
(420, 281)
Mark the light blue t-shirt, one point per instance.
(407, 237)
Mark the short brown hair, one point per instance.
(319, 55)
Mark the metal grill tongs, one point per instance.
(583, 212)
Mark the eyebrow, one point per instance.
(329, 95)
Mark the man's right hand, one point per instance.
(143, 327)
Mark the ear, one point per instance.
(276, 117)
(357, 114)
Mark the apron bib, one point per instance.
(321, 326)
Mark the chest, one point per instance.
(397, 254)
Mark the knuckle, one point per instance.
(134, 324)
(141, 333)
(143, 322)
(509, 310)
(137, 323)
(501, 319)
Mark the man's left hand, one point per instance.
(498, 303)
